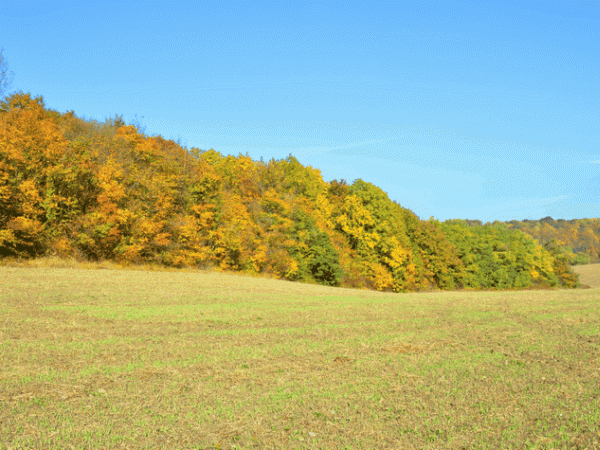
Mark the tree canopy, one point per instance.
(106, 191)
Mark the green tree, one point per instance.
(324, 263)
(317, 258)
(440, 256)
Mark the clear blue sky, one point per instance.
(484, 110)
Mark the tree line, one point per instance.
(578, 239)
(105, 191)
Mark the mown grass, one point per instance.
(113, 358)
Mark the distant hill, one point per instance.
(106, 191)
(579, 238)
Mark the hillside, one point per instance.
(579, 239)
(589, 274)
(105, 191)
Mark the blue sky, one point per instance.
(483, 109)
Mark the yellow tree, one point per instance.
(31, 147)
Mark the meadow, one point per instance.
(99, 356)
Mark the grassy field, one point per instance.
(95, 357)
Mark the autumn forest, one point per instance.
(105, 191)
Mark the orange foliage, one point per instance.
(109, 192)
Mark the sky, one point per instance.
(482, 110)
